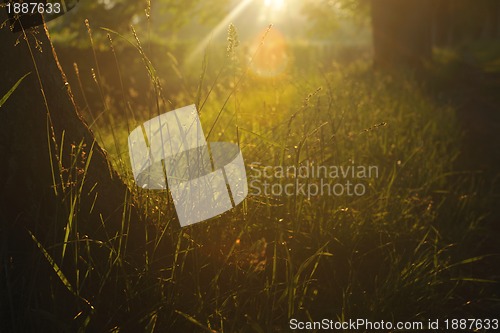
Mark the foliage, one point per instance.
(405, 250)
(399, 251)
(327, 15)
(164, 17)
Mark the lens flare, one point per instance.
(270, 54)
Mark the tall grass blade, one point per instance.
(53, 264)
(11, 91)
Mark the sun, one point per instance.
(275, 4)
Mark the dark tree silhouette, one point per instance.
(39, 118)
(40, 132)
(401, 32)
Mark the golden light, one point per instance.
(221, 27)
(274, 4)
(270, 54)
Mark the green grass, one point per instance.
(399, 252)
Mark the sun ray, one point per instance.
(222, 26)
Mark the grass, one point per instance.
(402, 251)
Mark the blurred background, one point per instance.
(409, 86)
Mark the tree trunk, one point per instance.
(494, 19)
(40, 131)
(442, 20)
(401, 33)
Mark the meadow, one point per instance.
(409, 248)
(363, 199)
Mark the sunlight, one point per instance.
(273, 11)
(221, 27)
(275, 4)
